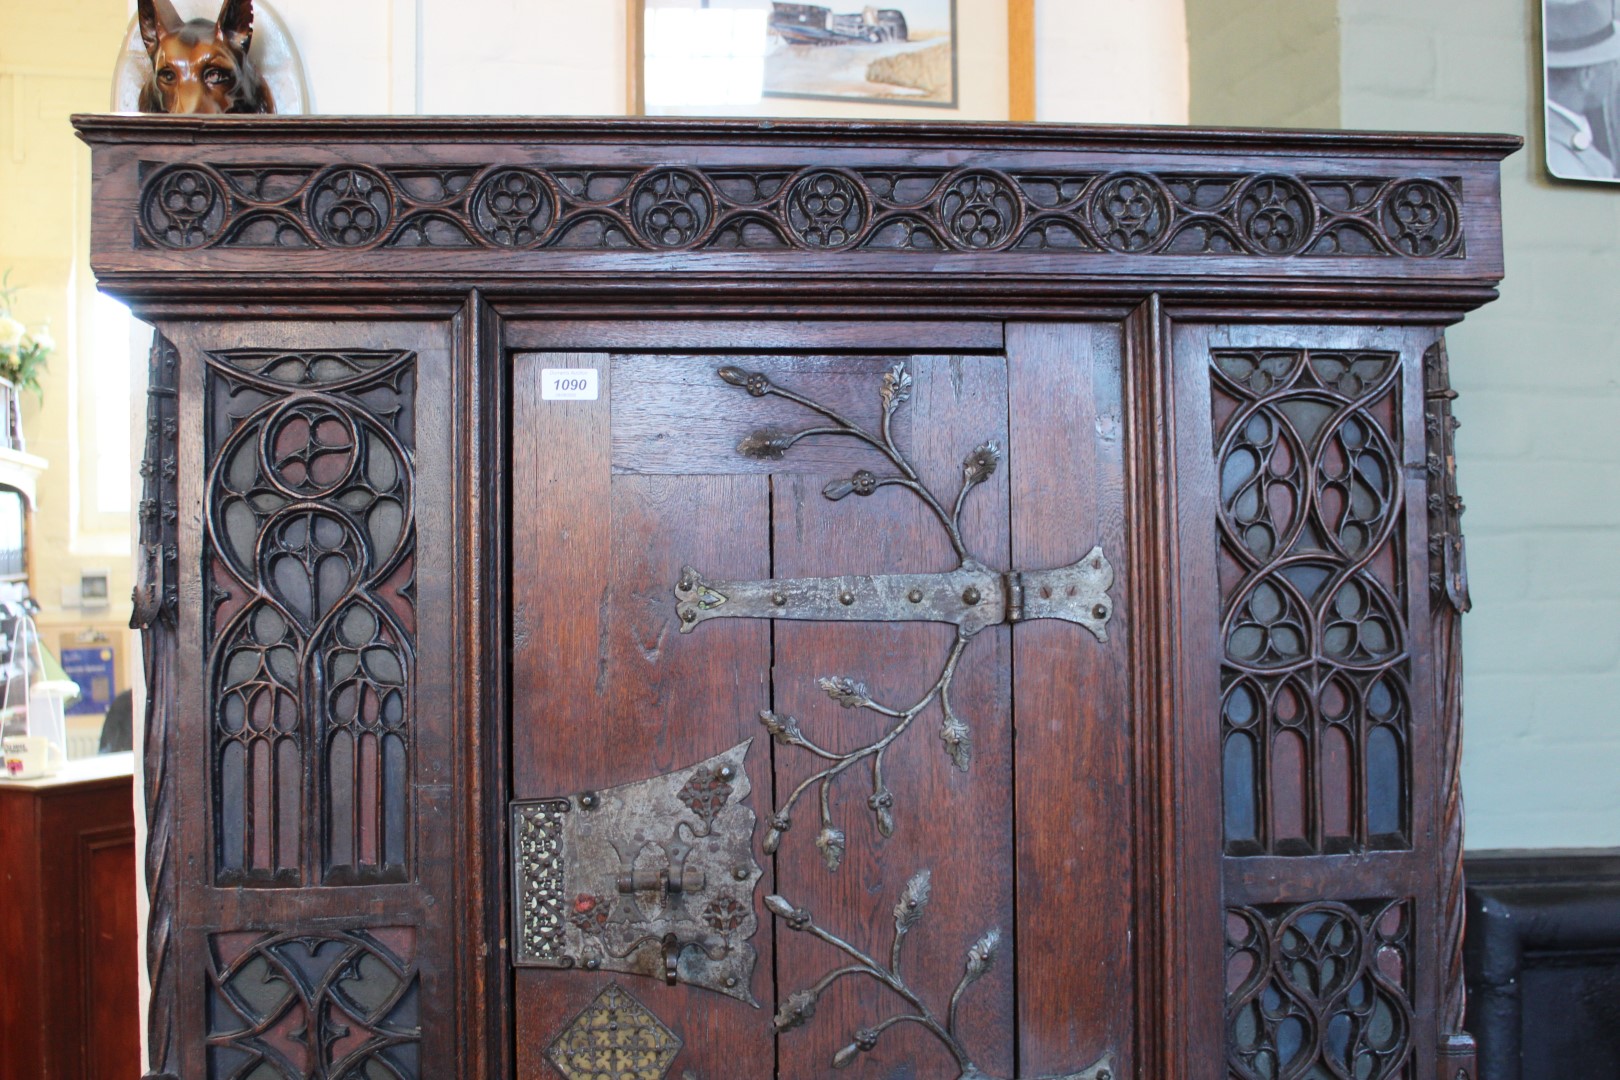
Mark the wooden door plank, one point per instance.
(607, 691)
(753, 330)
(560, 495)
(956, 824)
(677, 416)
(1071, 697)
(561, 560)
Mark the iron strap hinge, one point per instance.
(970, 598)
(1013, 584)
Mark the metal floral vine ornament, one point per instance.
(800, 1005)
(971, 597)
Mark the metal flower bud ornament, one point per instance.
(799, 1007)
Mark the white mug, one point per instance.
(28, 757)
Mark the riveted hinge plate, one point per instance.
(971, 597)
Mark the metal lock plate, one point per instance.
(653, 878)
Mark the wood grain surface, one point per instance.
(1072, 701)
(605, 689)
(956, 824)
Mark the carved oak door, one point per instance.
(820, 744)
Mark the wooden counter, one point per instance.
(68, 949)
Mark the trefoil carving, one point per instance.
(309, 1005)
(1320, 989)
(309, 548)
(1316, 693)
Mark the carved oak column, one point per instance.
(1448, 599)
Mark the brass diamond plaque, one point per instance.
(616, 1037)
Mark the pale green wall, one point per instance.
(1539, 450)
(1264, 63)
(1538, 371)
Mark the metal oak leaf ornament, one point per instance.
(971, 597)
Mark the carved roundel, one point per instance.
(1130, 212)
(671, 208)
(183, 207)
(310, 447)
(1419, 218)
(980, 210)
(513, 208)
(1275, 215)
(826, 209)
(350, 207)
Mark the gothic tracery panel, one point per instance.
(1319, 991)
(311, 550)
(314, 1006)
(1316, 678)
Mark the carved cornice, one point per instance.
(866, 215)
(148, 128)
(312, 205)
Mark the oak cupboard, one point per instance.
(720, 599)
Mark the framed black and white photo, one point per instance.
(1580, 48)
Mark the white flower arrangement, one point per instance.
(23, 352)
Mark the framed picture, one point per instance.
(1580, 49)
(829, 58)
(904, 54)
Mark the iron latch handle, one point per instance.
(672, 959)
(687, 880)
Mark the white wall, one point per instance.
(1539, 450)
(470, 56)
(1105, 62)
(1097, 61)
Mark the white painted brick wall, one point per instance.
(1539, 451)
